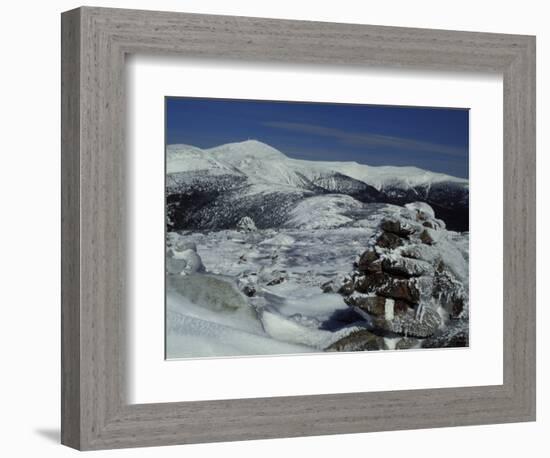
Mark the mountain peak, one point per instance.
(249, 149)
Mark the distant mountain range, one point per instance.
(213, 188)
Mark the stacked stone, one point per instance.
(397, 289)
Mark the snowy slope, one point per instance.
(404, 177)
(323, 212)
(186, 158)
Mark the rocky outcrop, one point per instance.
(358, 341)
(425, 237)
(414, 323)
(449, 292)
(389, 240)
(210, 291)
(454, 335)
(250, 282)
(378, 306)
(246, 224)
(342, 284)
(407, 343)
(369, 262)
(410, 281)
(182, 257)
(396, 227)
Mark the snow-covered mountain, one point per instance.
(213, 188)
(263, 163)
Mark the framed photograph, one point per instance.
(278, 228)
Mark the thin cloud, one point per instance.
(367, 139)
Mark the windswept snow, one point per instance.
(185, 158)
(323, 212)
(297, 331)
(387, 176)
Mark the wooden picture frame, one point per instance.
(95, 412)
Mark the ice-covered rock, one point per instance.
(389, 240)
(182, 258)
(213, 292)
(171, 238)
(421, 210)
(182, 245)
(456, 334)
(413, 323)
(397, 227)
(405, 267)
(378, 306)
(407, 343)
(279, 240)
(174, 265)
(249, 290)
(342, 284)
(358, 341)
(369, 262)
(247, 282)
(387, 285)
(412, 278)
(426, 238)
(450, 292)
(271, 277)
(246, 224)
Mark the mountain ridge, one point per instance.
(248, 157)
(207, 188)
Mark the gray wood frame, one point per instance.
(95, 413)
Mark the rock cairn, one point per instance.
(401, 286)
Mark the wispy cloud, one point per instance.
(367, 139)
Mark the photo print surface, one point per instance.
(295, 227)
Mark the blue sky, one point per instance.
(430, 138)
